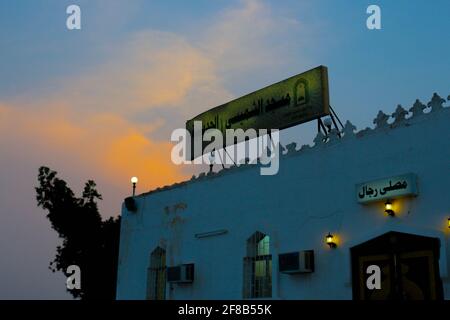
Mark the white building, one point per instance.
(233, 225)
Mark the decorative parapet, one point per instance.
(291, 147)
(436, 103)
(399, 115)
(381, 122)
(320, 139)
(349, 130)
(334, 135)
(417, 109)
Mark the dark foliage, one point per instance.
(87, 240)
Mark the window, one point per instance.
(258, 267)
(156, 275)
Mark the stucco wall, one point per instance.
(313, 194)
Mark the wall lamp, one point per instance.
(134, 180)
(388, 208)
(330, 240)
(448, 222)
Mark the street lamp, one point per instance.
(134, 180)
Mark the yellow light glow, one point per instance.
(330, 240)
(388, 209)
(134, 180)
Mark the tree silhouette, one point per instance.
(87, 241)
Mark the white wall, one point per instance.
(313, 193)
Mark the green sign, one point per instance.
(388, 188)
(296, 100)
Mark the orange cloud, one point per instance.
(107, 145)
(86, 127)
(90, 125)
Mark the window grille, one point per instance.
(156, 275)
(258, 267)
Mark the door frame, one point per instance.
(389, 246)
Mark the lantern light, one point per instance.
(388, 208)
(330, 240)
(448, 220)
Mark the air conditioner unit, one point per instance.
(181, 274)
(296, 262)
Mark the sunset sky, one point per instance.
(101, 102)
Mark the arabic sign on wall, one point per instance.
(296, 100)
(388, 188)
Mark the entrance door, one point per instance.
(409, 267)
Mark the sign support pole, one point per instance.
(333, 115)
(225, 149)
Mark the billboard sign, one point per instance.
(296, 100)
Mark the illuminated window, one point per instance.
(156, 275)
(258, 267)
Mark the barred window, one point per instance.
(258, 267)
(156, 275)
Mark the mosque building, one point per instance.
(354, 205)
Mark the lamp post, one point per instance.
(134, 180)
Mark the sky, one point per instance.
(101, 102)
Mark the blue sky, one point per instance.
(138, 69)
(369, 70)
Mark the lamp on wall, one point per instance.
(388, 208)
(448, 222)
(330, 240)
(134, 180)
